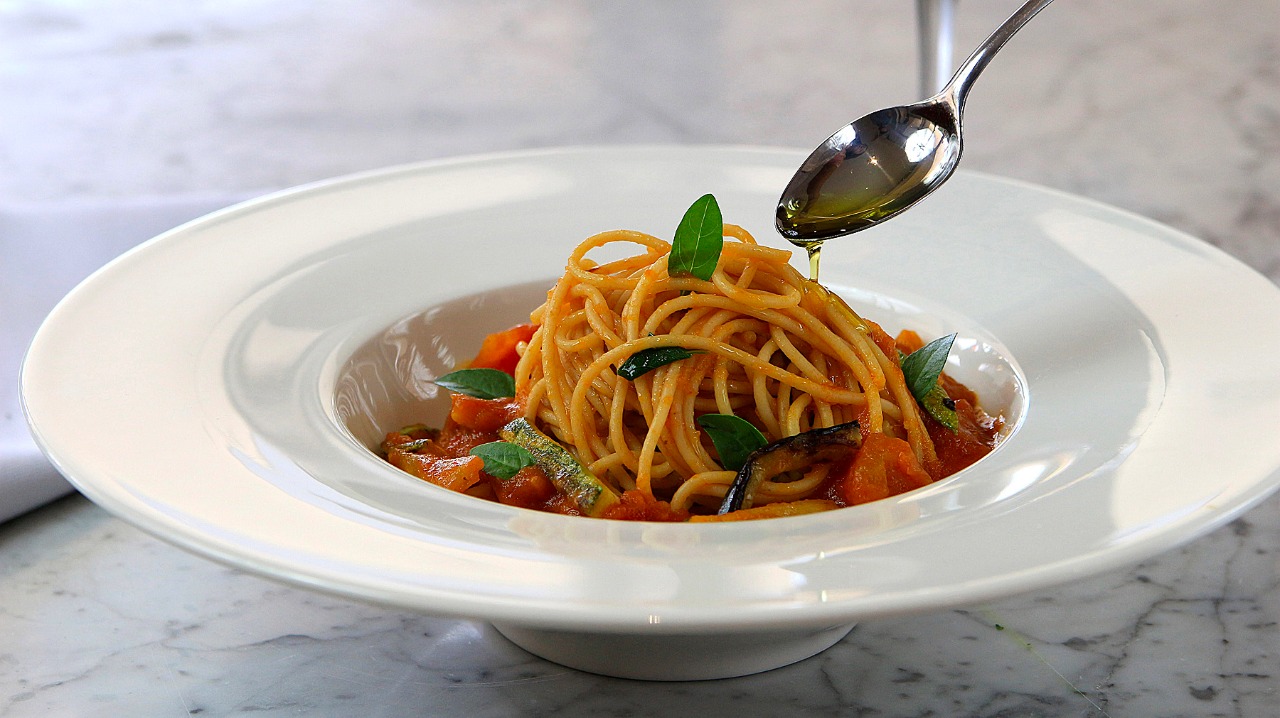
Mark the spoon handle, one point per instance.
(958, 88)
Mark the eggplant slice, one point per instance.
(801, 451)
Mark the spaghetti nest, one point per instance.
(768, 346)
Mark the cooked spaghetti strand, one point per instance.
(770, 346)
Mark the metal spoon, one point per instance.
(878, 166)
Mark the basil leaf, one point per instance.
(695, 251)
(646, 360)
(480, 383)
(734, 438)
(502, 459)
(923, 366)
(922, 369)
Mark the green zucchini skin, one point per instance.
(794, 452)
(565, 471)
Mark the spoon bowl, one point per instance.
(870, 170)
(880, 165)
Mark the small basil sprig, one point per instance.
(503, 459)
(921, 368)
(695, 251)
(480, 383)
(646, 360)
(734, 438)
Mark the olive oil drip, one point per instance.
(815, 255)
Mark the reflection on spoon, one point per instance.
(877, 166)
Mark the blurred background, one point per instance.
(1170, 108)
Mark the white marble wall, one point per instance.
(1170, 108)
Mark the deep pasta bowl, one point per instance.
(238, 373)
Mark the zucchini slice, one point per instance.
(566, 472)
(790, 454)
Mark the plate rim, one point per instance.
(166, 527)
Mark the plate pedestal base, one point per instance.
(674, 657)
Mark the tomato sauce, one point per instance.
(499, 350)
(883, 466)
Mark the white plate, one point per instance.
(219, 385)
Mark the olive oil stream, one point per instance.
(815, 255)
(840, 204)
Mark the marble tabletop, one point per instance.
(1168, 109)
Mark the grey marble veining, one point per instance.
(100, 619)
(1170, 109)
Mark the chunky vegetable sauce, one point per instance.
(879, 466)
